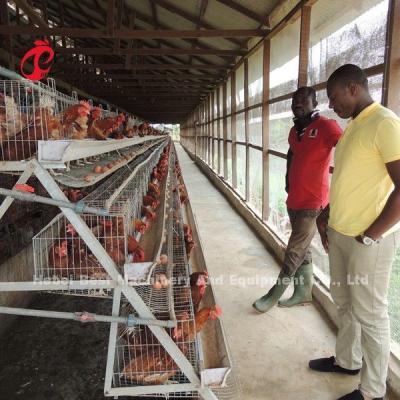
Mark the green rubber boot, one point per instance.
(303, 283)
(265, 303)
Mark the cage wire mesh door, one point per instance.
(30, 112)
(59, 251)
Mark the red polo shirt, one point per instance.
(309, 168)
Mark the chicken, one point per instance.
(135, 249)
(74, 195)
(183, 196)
(84, 262)
(153, 190)
(140, 226)
(142, 130)
(101, 129)
(24, 144)
(189, 242)
(115, 249)
(12, 120)
(189, 247)
(114, 239)
(119, 127)
(113, 227)
(141, 339)
(198, 286)
(149, 213)
(130, 128)
(75, 120)
(58, 258)
(187, 232)
(95, 114)
(153, 367)
(186, 331)
(150, 201)
(79, 261)
(156, 174)
(86, 265)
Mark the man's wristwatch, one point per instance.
(367, 240)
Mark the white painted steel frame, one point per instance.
(33, 167)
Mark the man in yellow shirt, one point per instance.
(359, 231)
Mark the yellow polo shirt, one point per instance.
(360, 183)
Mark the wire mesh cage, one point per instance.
(140, 359)
(29, 112)
(60, 253)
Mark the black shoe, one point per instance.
(356, 395)
(328, 365)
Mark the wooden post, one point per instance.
(265, 130)
(304, 45)
(212, 163)
(225, 130)
(205, 138)
(208, 115)
(391, 77)
(233, 128)
(219, 129)
(203, 131)
(246, 128)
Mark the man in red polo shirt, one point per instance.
(311, 141)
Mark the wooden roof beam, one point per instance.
(164, 77)
(130, 34)
(182, 85)
(145, 66)
(142, 51)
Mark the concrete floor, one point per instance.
(271, 350)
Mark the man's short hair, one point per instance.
(349, 73)
(309, 92)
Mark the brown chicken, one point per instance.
(135, 249)
(58, 259)
(156, 174)
(24, 144)
(149, 213)
(86, 265)
(198, 286)
(119, 127)
(140, 226)
(150, 201)
(75, 120)
(153, 190)
(84, 262)
(101, 129)
(141, 339)
(74, 195)
(153, 367)
(186, 331)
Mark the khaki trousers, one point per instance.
(298, 251)
(359, 287)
